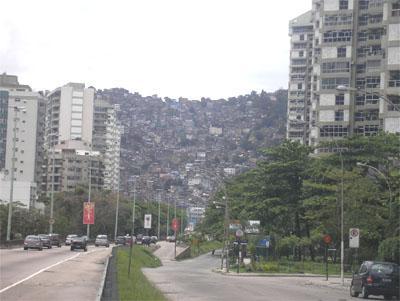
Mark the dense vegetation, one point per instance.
(297, 198)
(68, 208)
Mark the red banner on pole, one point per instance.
(175, 224)
(88, 213)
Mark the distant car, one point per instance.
(376, 278)
(102, 240)
(154, 239)
(128, 240)
(55, 239)
(120, 240)
(139, 239)
(33, 242)
(69, 238)
(146, 240)
(45, 240)
(79, 242)
(171, 238)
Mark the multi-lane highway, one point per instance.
(52, 274)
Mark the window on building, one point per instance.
(370, 130)
(333, 67)
(360, 68)
(339, 100)
(395, 102)
(394, 78)
(301, 53)
(299, 86)
(372, 81)
(332, 83)
(339, 115)
(359, 116)
(396, 9)
(337, 36)
(302, 37)
(343, 4)
(363, 4)
(334, 131)
(341, 52)
(371, 99)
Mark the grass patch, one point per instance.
(204, 247)
(137, 287)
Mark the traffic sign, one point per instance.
(51, 221)
(327, 239)
(147, 221)
(239, 233)
(354, 238)
(175, 224)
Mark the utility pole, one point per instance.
(52, 192)
(133, 227)
(167, 230)
(116, 215)
(159, 213)
(10, 204)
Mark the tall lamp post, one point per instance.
(344, 88)
(90, 189)
(116, 215)
(387, 183)
(16, 110)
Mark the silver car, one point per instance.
(69, 239)
(33, 242)
(102, 240)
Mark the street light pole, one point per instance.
(116, 215)
(159, 213)
(387, 183)
(10, 204)
(90, 189)
(52, 191)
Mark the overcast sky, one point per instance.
(193, 49)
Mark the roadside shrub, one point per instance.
(271, 267)
(389, 250)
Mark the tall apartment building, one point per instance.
(355, 43)
(3, 127)
(74, 164)
(25, 115)
(69, 128)
(107, 140)
(69, 114)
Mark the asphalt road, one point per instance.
(194, 280)
(51, 274)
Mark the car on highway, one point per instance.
(55, 239)
(120, 240)
(146, 240)
(139, 239)
(102, 240)
(376, 278)
(79, 242)
(33, 242)
(69, 238)
(154, 239)
(45, 240)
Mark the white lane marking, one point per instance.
(42, 270)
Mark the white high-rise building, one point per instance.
(107, 140)
(70, 114)
(347, 43)
(26, 110)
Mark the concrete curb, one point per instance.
(243, 274)
(103, 280)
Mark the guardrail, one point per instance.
(8, 244)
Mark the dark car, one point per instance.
(79, 243)
(45, 240)
(146, 240)
(120, 240)
(55, 239)
(139, 239)
(376, 278)
(33, 242)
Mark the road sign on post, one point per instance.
(354, 238)
(88, 213)
(147, 221)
